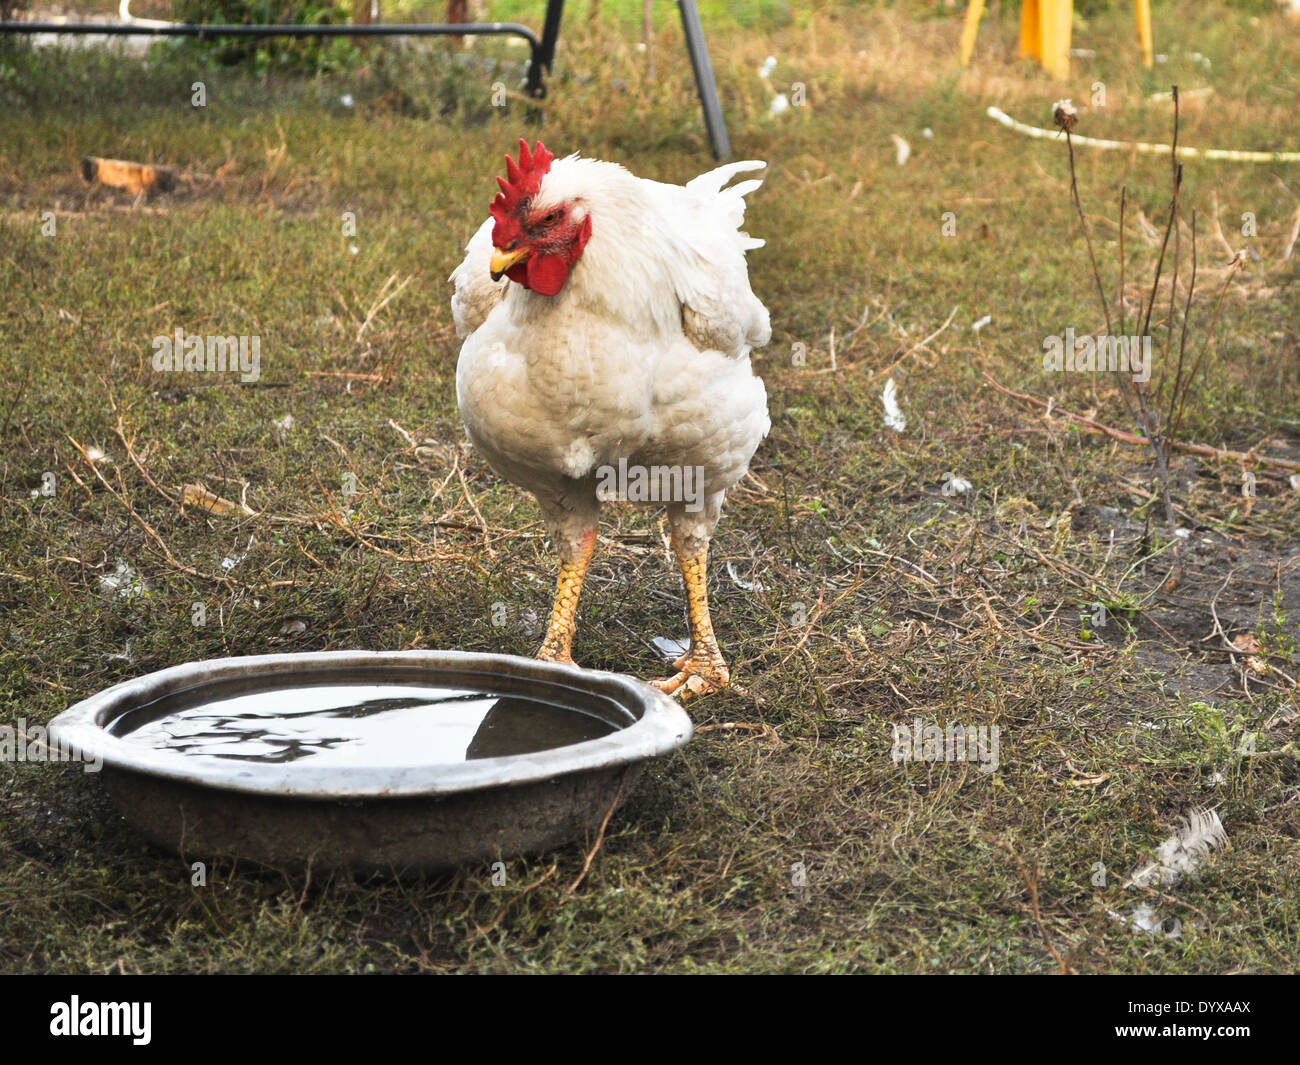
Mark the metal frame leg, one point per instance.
(704, 83)
(544, 54)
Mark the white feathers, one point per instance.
(124, 581)
(740, 582)
(1143, 918)
(703, 249)
(1183, 853)
(893, 413)
(780, 104)
(902, 150)
(670, 648)
(709, 187)
(953, 485)
(1178, 858)
(578, 458)
(231, 561)
(642, 355)
(711, 182)
(476, 293)
(769, 65)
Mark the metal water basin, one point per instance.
(371, 760)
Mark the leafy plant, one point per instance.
(309, 54)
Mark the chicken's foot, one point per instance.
(702, 669)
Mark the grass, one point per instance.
(882, 599)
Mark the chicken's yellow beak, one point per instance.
(504, 260)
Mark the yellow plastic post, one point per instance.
(1045, 34)
(1057, 20)
(1031, 36)
(969, 29)
(1045, 28)
(1144, 32)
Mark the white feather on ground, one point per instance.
(671, 648)
(742, 584)
(1177, 858)
(1183, 853)
(893, 413)
(954, 485)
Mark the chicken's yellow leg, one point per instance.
(558, 645)
(702, 669)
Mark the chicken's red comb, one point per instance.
(523, 180)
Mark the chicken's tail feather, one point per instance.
(732, 200)
(745, 187)
(713, 181)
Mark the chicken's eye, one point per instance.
(550, 219)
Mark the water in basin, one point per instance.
(353, 725)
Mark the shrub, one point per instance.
(262, 54)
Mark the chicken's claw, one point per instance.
(699, 676)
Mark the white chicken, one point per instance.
(608, 323)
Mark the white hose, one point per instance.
(1184, 152)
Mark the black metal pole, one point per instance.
(544, 56)
(704, 83)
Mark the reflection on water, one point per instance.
(355, 725)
